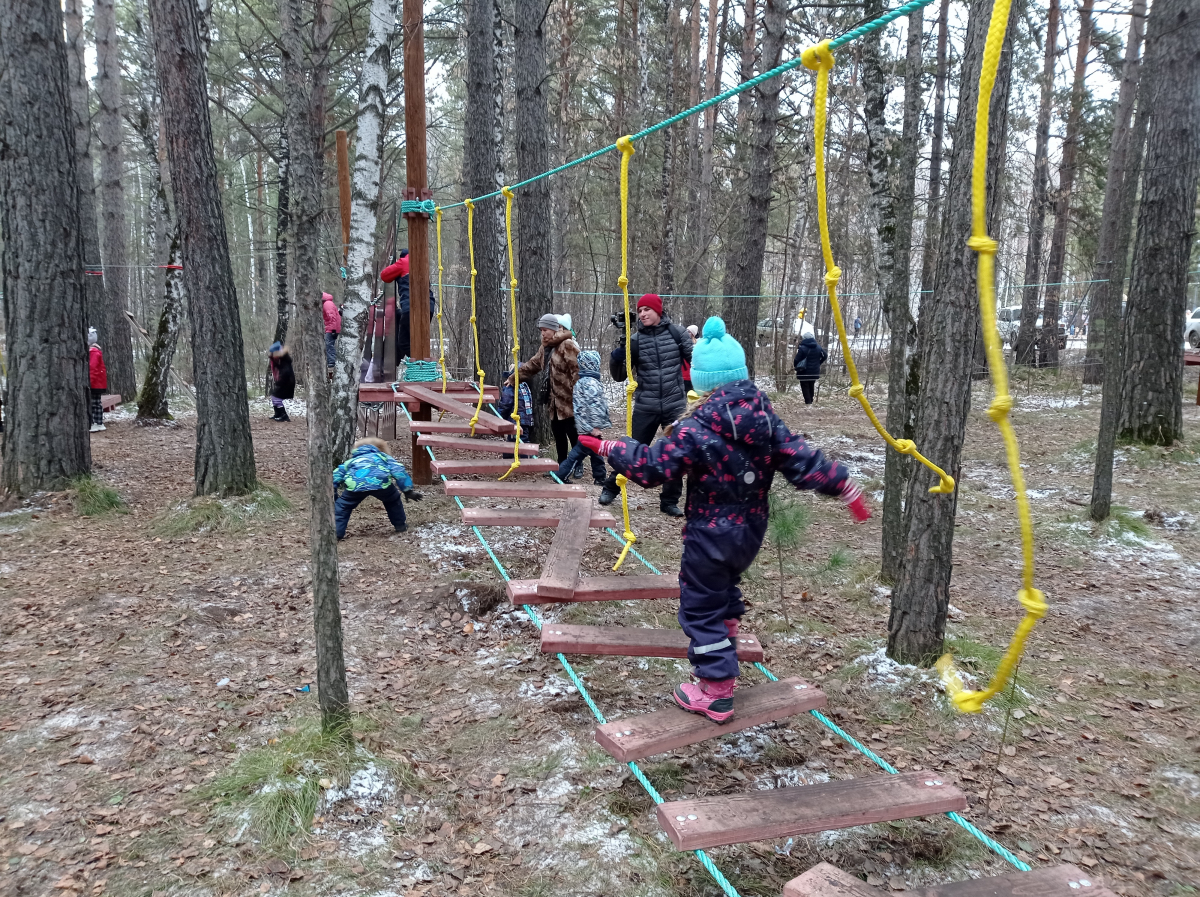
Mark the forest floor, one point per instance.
(158, 740)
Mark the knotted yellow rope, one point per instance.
(625, 145)
(474, 329)
(1031, 599)
(516, 349)
(820, 59)
(441, 304)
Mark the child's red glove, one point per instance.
(601, 447)
(852, 498)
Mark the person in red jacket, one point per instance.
(97, 379)
(333, 329)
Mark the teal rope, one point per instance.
(421, 372)
(867, 28)
(417, 207)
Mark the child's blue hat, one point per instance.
(717, 358)
(275, 346)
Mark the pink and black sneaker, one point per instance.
(711, 697)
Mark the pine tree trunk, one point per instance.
(933, 212)
(916, 627)
(304, 80)
(283, 227)
(1025, 350)
(224, 448)
(114, 327)
(532, 202)
(665, 278)
(1066, 185)
(1111, 250)
(1152, 410)
(46, 399)
(364, 218)
(482, 175)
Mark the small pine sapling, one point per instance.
(785, 527)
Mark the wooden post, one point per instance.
(416, 170)
(343, 171)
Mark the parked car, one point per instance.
(768, 327)
(1191, 330)
(1008, 322)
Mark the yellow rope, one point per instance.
(441, 304)
(625, 145)
(1031, 599)
(820, 59)
(474, 329)
(516, 350)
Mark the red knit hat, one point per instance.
(652, 301)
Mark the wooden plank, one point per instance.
(560, 573)
(600, 588)
(455, 389)
(480, 489)
(529, 466)
(672, 727)
(824, 880)
(783, 812)
(487, 422)
(632, 641)
(527, 516)
(489, 446)
(109, 402)
(447, 427)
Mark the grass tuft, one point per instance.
(93, 498)
(222, 515)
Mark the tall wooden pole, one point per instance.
(416, 168)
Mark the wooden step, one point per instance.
(632, 641)
(525, 516)
(560, 573)
(529, 467)
(109, 402)
(448, 427)
(805, 810)
(456, 389)
(484, 489)
(672, 727)
(824, 880)
(600, 588)
(487, 423)
(490, 446)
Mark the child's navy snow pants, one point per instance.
(714, 558)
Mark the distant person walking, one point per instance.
(857, 326)
(809, 358)
(97, 380)
(333, 329)
(279, 361)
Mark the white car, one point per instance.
(1191, 330)
(1008, 322)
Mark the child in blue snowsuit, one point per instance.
(729, 447)
(591, 416)
(508, 398)
(370, 470)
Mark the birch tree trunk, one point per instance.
(364, 218)
(46, 399)
(916, 627)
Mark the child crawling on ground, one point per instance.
(370, 470)
(729, 447)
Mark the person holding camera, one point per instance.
(658, 349)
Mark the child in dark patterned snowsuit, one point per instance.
(729, 448)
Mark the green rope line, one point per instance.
(421, 372)
(417, 207)
(866, 28)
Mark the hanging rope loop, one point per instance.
(507, 193)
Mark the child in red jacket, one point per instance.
(97, 379)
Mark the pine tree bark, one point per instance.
(916, 627)
(1025, 350)
(224, 448)
(532, 202)
(1152, 409)
(114, 327)
(665, 278)
(46, 399)
(1112, 243)
(483, 174)
(364, 219)
(1055, 265)
(933, 211)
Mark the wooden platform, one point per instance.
(560, 573)
(600, 588)
(109, 402)
(479, 489)
(526, 516)
(457, 389)
(783, 812)
(632, 641)
(451, 427)
(672, 727)
(487, 423)
(489, 446)
(824, 880)
(529, 467)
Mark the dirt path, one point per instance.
(152, 726)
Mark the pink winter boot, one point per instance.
(732, 625)
(712, 697)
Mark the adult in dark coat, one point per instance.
(809, 358)
(659, 350)
(283, 377)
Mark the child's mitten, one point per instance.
(601, 447)
(852, 498)
(414, 495)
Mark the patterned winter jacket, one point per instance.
(729, 448)
(508, 398)
(591, 405)
(368, 469)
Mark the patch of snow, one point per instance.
(1187, 782)
(883, 672)
(369, 784)
(554, 686)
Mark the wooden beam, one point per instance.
(447, 427)
(824, 880)
(600, 588)
(477, 489)
(488, 423)
(529, 467)
(635, 737)
(468, 444)
(632, 641)
(528, 516)
(808, 809)
(561, 570)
